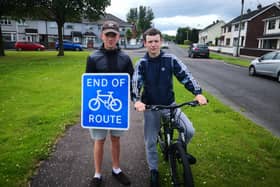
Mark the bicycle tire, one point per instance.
(162, 140)
(180, 167)
(96, 104)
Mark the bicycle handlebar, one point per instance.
(161, 107)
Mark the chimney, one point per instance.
(248, 10)
(259, 6)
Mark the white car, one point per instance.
(165, 45)
(268, 64)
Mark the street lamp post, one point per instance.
(239, 30)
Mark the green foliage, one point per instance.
(168, 37)
(142, 18)
(187, 42)
(132, 16)
(230, 59)
(128, 34)
(186, 33)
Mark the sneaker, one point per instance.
(96, 182)
(154, 178)
(122, 178)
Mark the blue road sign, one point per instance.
(105, 101)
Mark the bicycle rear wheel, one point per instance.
(180, 167)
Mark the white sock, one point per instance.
(117, 170)
(97, 175)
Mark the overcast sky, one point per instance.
(172, 14)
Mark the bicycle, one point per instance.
(174, 148)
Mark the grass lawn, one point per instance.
(40, 97)
(230, 149)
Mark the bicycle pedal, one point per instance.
(191, 159)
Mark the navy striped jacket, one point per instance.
(152, 81)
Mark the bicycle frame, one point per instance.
(176, 149)
(107, 98)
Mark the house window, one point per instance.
(229, 29)
(242, 26)
(270, 44)
(228, 41)
(5, 21)
(225, 30)
(9, 37)
(52, 25)
(235, 40)
(271, 24)
(69, 27)
(236, 26)
(22, 22)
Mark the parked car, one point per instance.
(164, 45)
(200, 50)
(69, 45)
(23, 45)
(268, 64)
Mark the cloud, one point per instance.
(199, 22)
(169, 15)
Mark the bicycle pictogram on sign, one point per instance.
(107, 100)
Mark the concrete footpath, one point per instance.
(71, 163)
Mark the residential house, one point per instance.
(85, 32)
(259, 32)
(271, 35)
(210, 35)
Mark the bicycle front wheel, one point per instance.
(180, 167)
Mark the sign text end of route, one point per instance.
(105, 101)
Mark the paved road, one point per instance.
(256, 97)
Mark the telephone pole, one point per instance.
(239, 31)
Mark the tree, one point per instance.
(182, 34)
(145, 18)
(187, 33)
(128, 34)
(59, 11)
(62, 11)
(142, 18)
(167, 37)
(132, 16)
(10, 8)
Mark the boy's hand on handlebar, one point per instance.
(201, 99)
(139, 106)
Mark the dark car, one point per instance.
(198, 50)
(268, 64)
(69, 45)
(23, 45)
